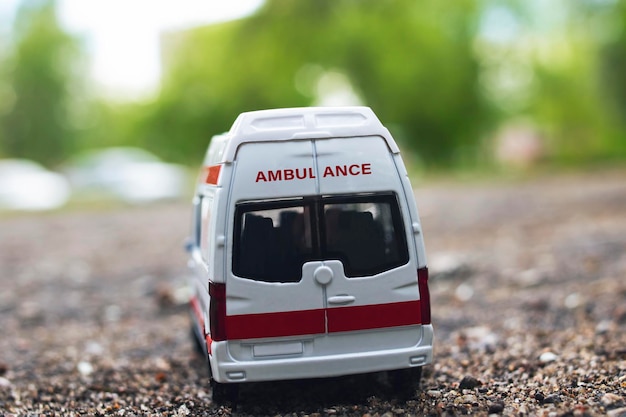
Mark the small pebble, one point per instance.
(464, 292)
(84, 368)
(604, 327)
(617, 412)
(610, 399)
(573, 300)
(552, 399)
(466, 399)
(183, 411)
(433, 393)
(548, 357)
(469, 382)
(496, 408)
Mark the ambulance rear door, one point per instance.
(367, 246)
(269, 296)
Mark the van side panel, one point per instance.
(217, 266)
(415, 226)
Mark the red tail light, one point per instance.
(217, 311)
(422, 282)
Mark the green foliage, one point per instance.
(548, 75)
(38, 123)
(412, 62)
(215, 74)
(613, 68)
(426, 68)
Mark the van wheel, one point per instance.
(198, 346)
(405, 382)
(223, 394)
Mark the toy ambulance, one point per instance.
(308, 252)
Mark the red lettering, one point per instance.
(345, 170)
(304, 173)
(287, 174)
(275, 175)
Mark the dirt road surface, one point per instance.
(528, 287)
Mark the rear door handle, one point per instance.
(341, 299)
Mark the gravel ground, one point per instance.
(528, 296)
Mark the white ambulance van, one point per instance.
(308, 252)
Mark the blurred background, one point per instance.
(106, 98)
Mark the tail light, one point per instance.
(217, 311)
(422, 282)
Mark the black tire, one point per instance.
(224, 394)
(198, 345)
(405, 382)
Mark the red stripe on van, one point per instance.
(195, 308)
(291, 323)
(340, 319)
(345, 319)
(212, 174)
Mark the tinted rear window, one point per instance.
(274, 239)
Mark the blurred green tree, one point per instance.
(545, 72)
(426, 68)
(39, 72)
(412, 62)
(613, 70)
(569, 101)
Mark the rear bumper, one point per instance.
(227, 370)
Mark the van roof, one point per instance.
(298, 123)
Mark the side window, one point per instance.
(206, 206)
(367, 236)
(272, 242)
(196, 226)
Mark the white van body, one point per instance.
(307, 249)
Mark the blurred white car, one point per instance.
(26, 185)
(132, 175)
